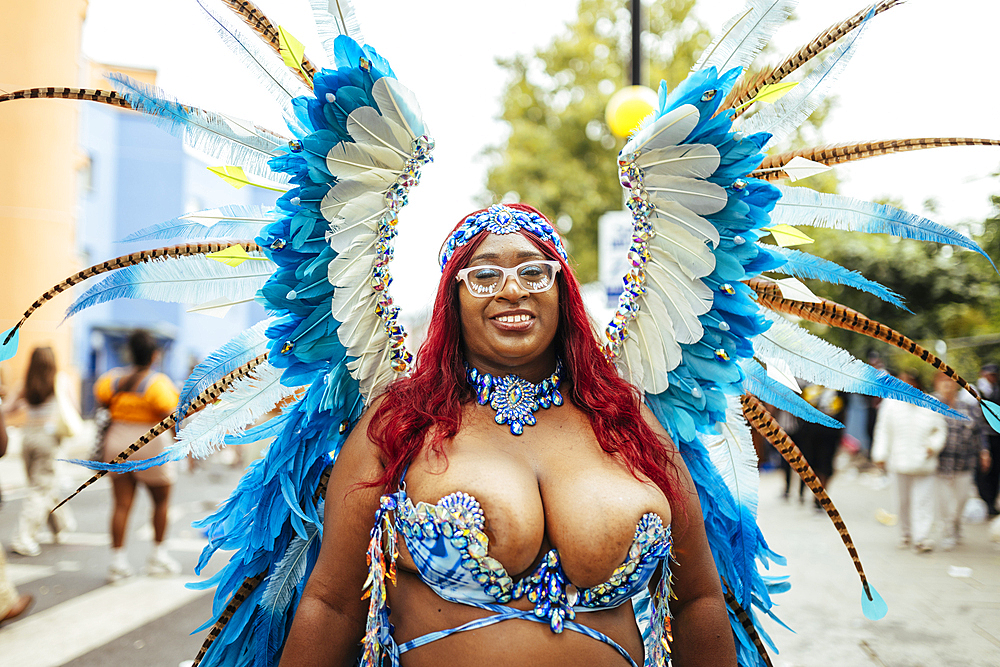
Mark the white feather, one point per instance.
(358, 216)
(745, 34)
(343, 270)
(193, 279)
(790, 111)
(334, 18)
(348, 159)
(701, 197)
(247, 400)
(347, 298)
(346, 190)
(692, 160)
(366, 126)
(674, 213)
(399, 104)
(669, 129)
(269, 69)
(692, 255)
(683, 298)
(629, 362)
(733, 455)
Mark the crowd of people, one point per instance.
(135, 398)
(945, 467)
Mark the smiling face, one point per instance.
(512, 331)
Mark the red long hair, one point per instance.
(429, 402)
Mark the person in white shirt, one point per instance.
(907, 441)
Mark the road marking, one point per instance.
(68, 630)
(23, 574)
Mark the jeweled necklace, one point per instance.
(513, 398)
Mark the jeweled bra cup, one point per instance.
(449, 548)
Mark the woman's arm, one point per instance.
(330, 621)
(702, 636)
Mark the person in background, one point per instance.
(138, 398)
(12, 604)
(957, 461)
(988, 474)
(46, 425)
(818, 442)
(908, 438)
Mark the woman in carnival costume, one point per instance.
(531, 505)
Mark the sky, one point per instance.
(918, 72)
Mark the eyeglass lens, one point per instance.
(531, 276)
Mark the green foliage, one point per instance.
(561, 157)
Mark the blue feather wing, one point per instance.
(773, 392)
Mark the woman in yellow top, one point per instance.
(138, 398)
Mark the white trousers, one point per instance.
(916, 506)
(953, 489)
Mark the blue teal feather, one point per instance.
(815, 360)
(281, 590)
(8, 348)
(802, 206)
(804, 265)
(242, 348)
(761, 385)
(191, 279)
(234, 221)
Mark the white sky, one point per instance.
(919, 72)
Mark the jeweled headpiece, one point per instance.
(501, 219)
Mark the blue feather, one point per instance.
(803, 265)
(238, 351)
(191, 279)
(229, 139)
(770, 391)
(233, 221)
(815, 360)
(128, 466)
(282, 586)
(8, 348)
(802, 206)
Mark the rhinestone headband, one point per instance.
(500, 219)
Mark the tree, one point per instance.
(560, 155)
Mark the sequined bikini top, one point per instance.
(449, 548)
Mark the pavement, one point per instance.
(944, 607)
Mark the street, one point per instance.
(944, 608)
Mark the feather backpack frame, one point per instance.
(698, 328)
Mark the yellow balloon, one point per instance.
(629, 107)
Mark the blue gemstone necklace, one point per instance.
(513, 398)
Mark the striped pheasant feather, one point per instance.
(260, 24)
(210, 395)
(131, 259)
(769, 428)
(65, 93)
(751, 85)
(239, 597)
(770, 168)
(746, 622)
(833, 314)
